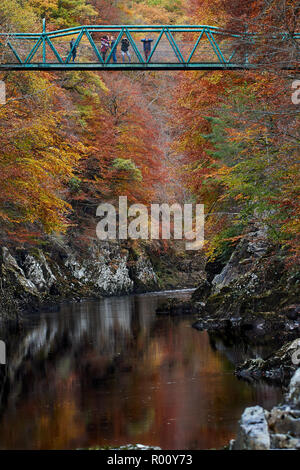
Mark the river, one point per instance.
(112, 372)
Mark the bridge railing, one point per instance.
(183, 46)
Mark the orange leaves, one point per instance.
(238, 136)
(37, 158)
(123, 130)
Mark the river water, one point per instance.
(112, 372)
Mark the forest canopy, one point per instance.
(226, 139)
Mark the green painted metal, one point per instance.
(195, 47)
(44, 42)
(121, 33)
(134, 47)
(28, 51)
(14, 51)
(213, 44)
(94, 47)
(155, 45)
(54, 51)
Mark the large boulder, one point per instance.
(293, 396)
(277, 429)
(280, 366)
(252, 247)
(253, 433)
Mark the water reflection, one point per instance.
(112, 373)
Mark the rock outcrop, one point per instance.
(277, 429)
(254, 294)
(251, 248)
(279, 367)
(253, 430)
(31, 278)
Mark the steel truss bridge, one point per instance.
(187, 47)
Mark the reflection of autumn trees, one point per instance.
(113, 373)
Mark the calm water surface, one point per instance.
(113, 373)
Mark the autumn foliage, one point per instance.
(238, 132)
(70, 141)
(227, 139)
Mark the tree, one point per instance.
(238, 133)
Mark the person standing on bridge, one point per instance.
(114, 49)
(73, 49)
(125, 49)
(104, 46)
(147, 43)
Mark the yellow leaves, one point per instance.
(39, 159)
(240, 197)
(18, 16)
(43, 5)
(216, 77)
(163, 12)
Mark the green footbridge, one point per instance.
(182, 47)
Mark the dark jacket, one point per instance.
(72, 46)
(147, 44)
(125, 45)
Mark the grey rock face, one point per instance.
(104, 269)
(279, 366)
(38, 271)
(293, 396)
(11, 268)
(145, 272)
(107, 269)
(277, 429)
(253, 430)
(252, 247)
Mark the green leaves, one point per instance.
(128, 167)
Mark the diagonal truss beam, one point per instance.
(99, 56)
(214, 38)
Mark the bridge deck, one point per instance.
(187, 47)
(124, 67)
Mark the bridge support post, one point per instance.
(247, 45)
(44, 41)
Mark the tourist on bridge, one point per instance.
(104, 46)
(73, 49)
(147, 42)
(114, 49)
(125, 49)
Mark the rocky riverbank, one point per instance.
(260, 429)
(254, 299)
(38, 278)
(254, 296)
(278, 367)
(32, 279)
